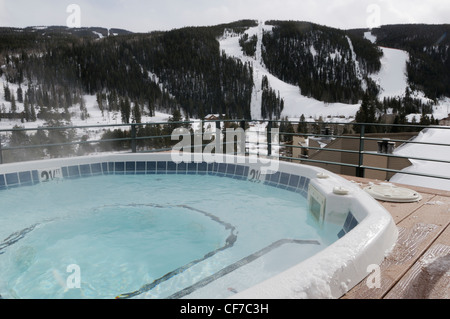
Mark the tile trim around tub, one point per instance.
(350, 223)
(290, 182)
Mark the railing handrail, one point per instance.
(362, 137)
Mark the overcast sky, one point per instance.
(151, 15)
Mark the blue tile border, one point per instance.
(350, 223)
(35, 175)
(151, 167)
(12, 179)
(119, 168)
(290, 182)
(141, 167)
(2, 182)
(96, 169)
(73, 171)
(85, 170)
(25, 178)
(130, 168)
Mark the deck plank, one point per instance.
(429, 278)
(401, 211)
(424, 232)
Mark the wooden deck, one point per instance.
(419, 265)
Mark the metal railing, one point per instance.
(361, 152)
(20, 144)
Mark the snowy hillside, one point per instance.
(94, 112)
(95, 116)
(393, 80)
(295, 104)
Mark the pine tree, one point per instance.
(33, 117)
(302, 126)
(13, 104)
(151, 108)
(290, 130)
(100, 102)
(137, 118)
(7, 93)
(366, 114)
(27, 110)
(20, 95)
(125, 110)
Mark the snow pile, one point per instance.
(436, 152)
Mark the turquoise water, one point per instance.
(148, 236)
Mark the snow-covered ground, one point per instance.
(95, 115)
(437, 152)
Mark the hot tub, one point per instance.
(291, 232)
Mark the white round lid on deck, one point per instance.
(392, 193)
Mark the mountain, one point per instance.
(243, 69)
(161, 70)
(326, 63)
(428, 48)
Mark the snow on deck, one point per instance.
(419, 265)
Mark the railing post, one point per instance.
(360, 170)
(1, 152)
(133, 138)
(269, 138)
(243, 122)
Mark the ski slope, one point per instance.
(392, 78)
(295, 104)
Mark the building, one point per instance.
(445, 122)
(345, 150)
(214, 117)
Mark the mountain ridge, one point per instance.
(187, 68)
